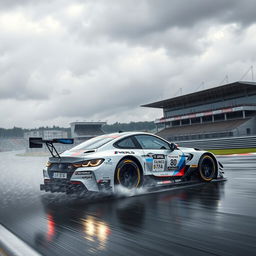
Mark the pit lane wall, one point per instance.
(221, 143)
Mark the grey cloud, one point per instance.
(16, 86)
(9, 4)
(133, 18)
(176, 25)
(106, 95)
(106, 61)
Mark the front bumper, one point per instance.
(66, 187)
(74, 186)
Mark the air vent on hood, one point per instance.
(89, 151)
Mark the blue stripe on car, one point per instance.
(181, 164)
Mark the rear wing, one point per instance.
(35, 142)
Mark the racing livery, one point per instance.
(127, 159)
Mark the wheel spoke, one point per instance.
(208, 168)
(128, 176)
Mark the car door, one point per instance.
(160, 159)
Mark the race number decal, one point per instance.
(172, 162)
(158, 163)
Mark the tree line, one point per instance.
(132, 126)
(18, 132)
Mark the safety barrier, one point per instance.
(221, 143)
(12, 245)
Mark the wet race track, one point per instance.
(209, 219)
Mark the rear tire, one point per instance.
(128, 174)
(207, 168)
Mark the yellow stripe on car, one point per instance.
(138, 170)
(118, 174)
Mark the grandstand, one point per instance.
(82, 131)
(223, 111)
(46, 134)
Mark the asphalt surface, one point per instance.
(209, 219)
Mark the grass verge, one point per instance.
(232, 151)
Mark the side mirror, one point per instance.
(173, 146)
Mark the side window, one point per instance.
(125, 143)
(151, 142)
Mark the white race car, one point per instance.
(126, 159)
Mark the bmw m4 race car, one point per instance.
(126, 159)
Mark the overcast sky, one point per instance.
(64, 60)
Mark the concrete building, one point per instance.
(46, 134)
(82, 131)
(223, 111)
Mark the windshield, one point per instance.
(94, 143)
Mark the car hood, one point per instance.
(65, 159)
(78, 153)
(191, 150)
(73, 156)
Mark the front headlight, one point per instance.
(89, 163)
(48, 164)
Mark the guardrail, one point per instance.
(221, 143)
(11, 245)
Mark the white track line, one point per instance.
(12, 245)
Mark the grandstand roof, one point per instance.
(88, 123)
(227, 91)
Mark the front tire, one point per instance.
(207, 168)
(128, 174)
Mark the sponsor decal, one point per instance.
(87, 177)
(215, 112)
(207, 113)
(164, 182)
(176, 163)
(158, 165)
(170, 156)
(180, 166)
(172, 162)
(158, 156)
(124, 152)
(158, 162)
(192, 116)
(226, 110)
(83, 172)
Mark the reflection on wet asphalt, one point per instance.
(210, 219)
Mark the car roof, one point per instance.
(125, 134)
(121, 135)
